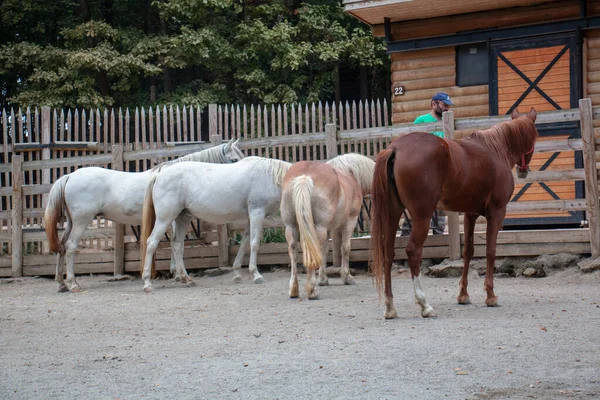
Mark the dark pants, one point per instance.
(436, 224)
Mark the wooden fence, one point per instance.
(44, 144)
(36, 154)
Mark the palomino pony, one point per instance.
(317, 198)
(116, 195)
(248, 190)
(421, 172)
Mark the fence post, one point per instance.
(212, 120)
(46, 139)
(591, 177)
(222, 231)
(331, 141)
(119, 235)
(17, 216)
(453, 224)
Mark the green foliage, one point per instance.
(96, 54)
(270, 235)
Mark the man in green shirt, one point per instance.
(440, 102)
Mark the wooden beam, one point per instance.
(331, 141)
(591, 174)
(17, 217)
(453, 225)
(119, 229)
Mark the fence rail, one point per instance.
(41, 146)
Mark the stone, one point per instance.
(531, 272)
(446, 269)
(589, 265)
(217, 271)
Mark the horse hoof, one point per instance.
(324, 282)
(63, 289)
(260, 280)
(293, 295)
(313, 296)
(75, 289)
(148, 289)
(237, 279)
(349, 281)
(491, 302)
(428, 313)
(390, 314)
(463, 300)
(191, 283)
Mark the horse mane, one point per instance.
(213, 155)
(508, 139)
(357, 165)
(276, 168)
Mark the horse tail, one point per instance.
(302, 188)
(53, 213)
(381, 230)
(148, 221)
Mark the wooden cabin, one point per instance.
(492, 57)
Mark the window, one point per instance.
(472, 64)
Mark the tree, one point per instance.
(140, 52)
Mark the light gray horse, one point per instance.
(248, 191)
(116, 195)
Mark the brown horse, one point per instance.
(421, 172)
(320, 197)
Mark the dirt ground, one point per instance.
(245, 341)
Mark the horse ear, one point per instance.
(532, 114)
(236, 142)
(228, 146)
(515, 114)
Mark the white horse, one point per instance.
(115, 195)
(248, 191)
(319, 198)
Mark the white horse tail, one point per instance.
(54, 212)
(148, 220)
(302, 188)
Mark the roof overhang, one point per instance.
(373, 12)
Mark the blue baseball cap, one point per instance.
(443, 97)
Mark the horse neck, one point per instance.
(510, 140)
(212, 155)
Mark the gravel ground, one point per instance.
(245, 341)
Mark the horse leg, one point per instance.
(256, 224)
(336, 238)
(239, 258)
(60, 259)
(346, 233)
(71, 244)
(463, 296)
(59, 276)
(311, 280)
(293, 238)
(151, 244)
(493, 226)
(395, 211)
(414, 251)
(323, 280)
(180, 226)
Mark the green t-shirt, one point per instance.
(426, 119)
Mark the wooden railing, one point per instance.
(326, 144)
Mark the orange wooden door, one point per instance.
(543, 73)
